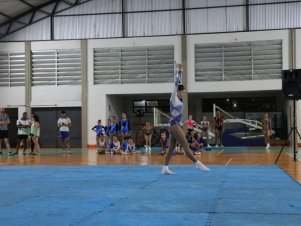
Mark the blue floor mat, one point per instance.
(140, 195)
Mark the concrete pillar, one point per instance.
(184, 78)
(84, 97)
(28, 76)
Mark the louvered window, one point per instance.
(56, 67)
(153, 64)
(12, 68)
(238, 61)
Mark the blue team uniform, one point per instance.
(124, 125)
(113, 129)
(107, 130)
(98, 130)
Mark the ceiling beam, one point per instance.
(68, 3)
(5, 15)
(32, 12)
(34, 7)
(27, 12)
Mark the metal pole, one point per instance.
(294, 134)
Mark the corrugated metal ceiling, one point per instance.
(12, 8)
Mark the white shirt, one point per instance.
(64, 121)
(23, 131)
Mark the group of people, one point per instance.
(29, 133)
(205, 125)
(114, 137)
(194, 139)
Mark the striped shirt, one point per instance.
(175, 104)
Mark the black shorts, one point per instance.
(22, 137)
(3, 134)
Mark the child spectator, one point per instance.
(113, 128)
(114, 146)
(148, 133)
(201, 142)
(205, 128)
(124, 146)
(124, 126)
(164, 143)
(107, 130)
(190, 123)
(98, 130)
(131, 146)
(102, 145)
(194, 145)
(189, 136)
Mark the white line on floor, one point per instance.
(229, 161)
(220, 152)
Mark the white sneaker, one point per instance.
(268, 145)
(201, 166)
(208, 146)
(149, 148)
(167, 172)
(216, 146)
(222, 146)
(146, 147)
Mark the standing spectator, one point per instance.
(148, 133)
(205, 127)
(190, 123)
(35, 131)
(98, 130)
(107, 131)
(266, 129)
(23, 126)
(219, 123)
(113, 128)
(124, 126)
(4, 121)
(30, 137)
(64, 124)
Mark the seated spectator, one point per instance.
(114, 146)
(194, 145)
(131, 146)
(164, 143)
(201, 142)
(189, 136)
(102, 144)
(205, 127)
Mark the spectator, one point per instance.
(23, 126)
(98, 130)
(205, 127)
(64, 124)
(114, 146)
(219, 123)
(4, 122)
